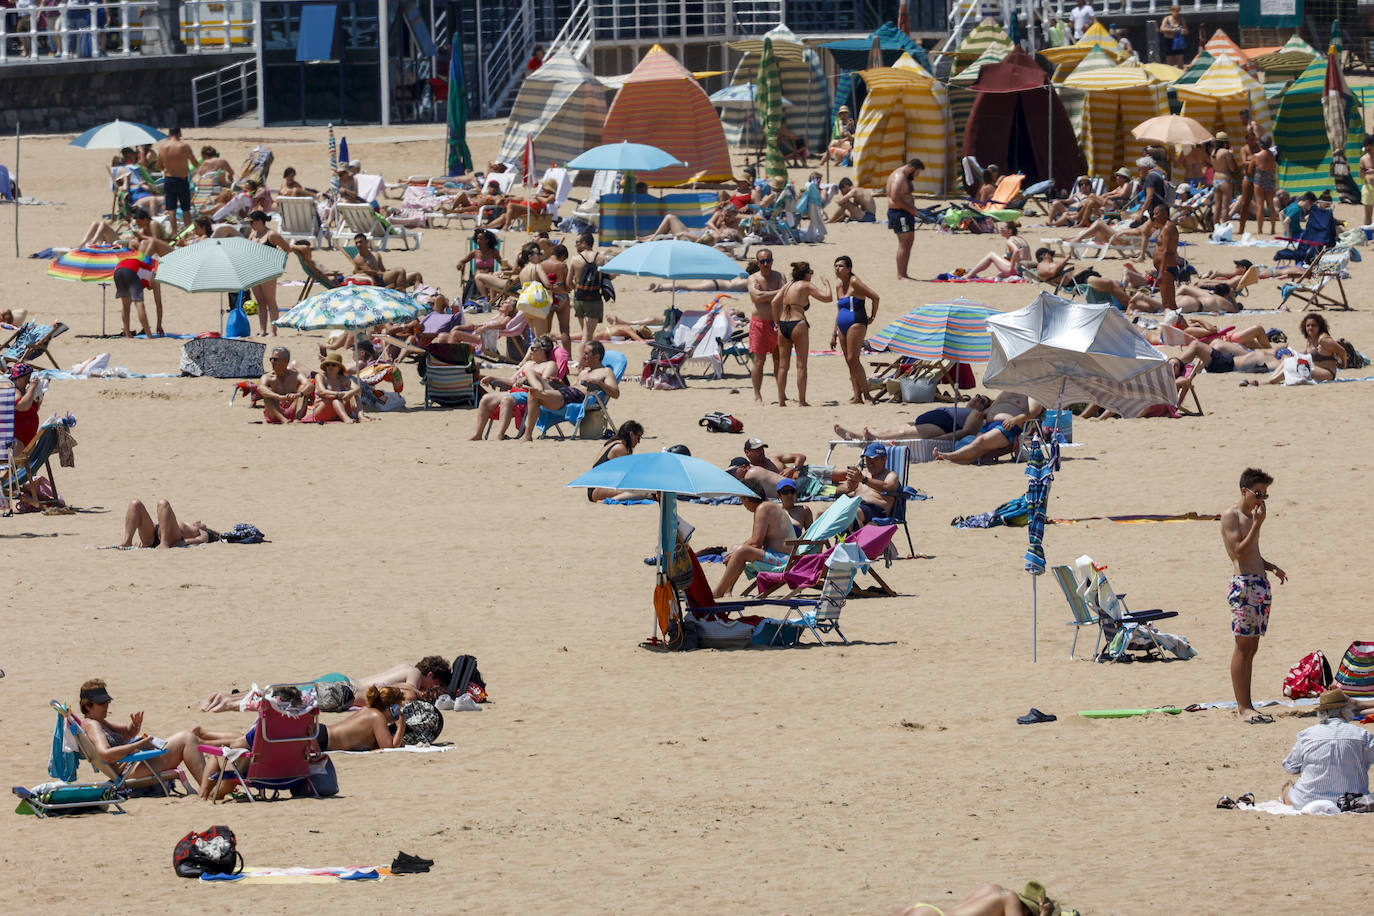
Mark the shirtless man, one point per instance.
(854, 204)
(787, 495)
(1050, 270)
(1224, 168)
(591, 376)
(901, 212)
(767, 541)
(368, 262)
(282, 390)
(1189, 299)
(426, 677)
(767, 480)
(1004, 418)
(1166, 252)
(290, 187)
(763, 330)
(177, 160)
(873, 483)
(1249, 595)
(779, 463)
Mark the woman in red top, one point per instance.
(28, 402)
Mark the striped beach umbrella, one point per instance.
(1039, 474)
(806, 93)
(1221, 45)
(221, 266)
(768, 104)
(118, 134)
(89, 263)
(956, 329)
(352, 308)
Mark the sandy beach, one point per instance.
(604, 778)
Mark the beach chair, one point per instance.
(888, 377)
(138, 775)
(1086, 613)
(356, 218)
(76, 798)
(8, 445)
(824, 528)
(576, 414)
(1195, 213)
(256, 167)
(30, 343)
(1126, 629)
(283, 748)
(1317, 237)
(808, 571)
(689, 335)
(1189, 388)
(300, 221)
(450, 384)
(1313, 288)
(845, 562)
(1007, 196)
(204, 190)
(897, 461)
(313, 276)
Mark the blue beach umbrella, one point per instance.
(624, 157)
(674, 259)
(1039, 474)
(118, 134)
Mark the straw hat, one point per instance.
(1332, 699)
(777, 182)
(548, 184)
(334, 358)
(1124, 172)
(1221, 135)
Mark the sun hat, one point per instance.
(19, 315)
(548, 184)
(874, 449)
(1034, 894)
(1221, 135)
(751, 444)
(777, 182)
(334, 358)
(1123, 172)
(1332, 699)
(19, 370)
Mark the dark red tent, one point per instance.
(1019, 124)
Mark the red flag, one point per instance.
(529, 159)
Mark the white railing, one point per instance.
(575, 38)
(752, 17)
(963, 15)
(59, 31)
(225, 93)
(216, 25)
(1062, 8)
(504, 66)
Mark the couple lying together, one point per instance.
(987, 428)
(424, 680)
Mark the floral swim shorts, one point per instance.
(1249, 597)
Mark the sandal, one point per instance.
(1247, 799)
(1226, 801)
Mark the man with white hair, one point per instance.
(1332, 758)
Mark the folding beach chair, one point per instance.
(8, 445)
(665, 361)
(808, 571)
(282, 749)
(1195, 213)
(1133, 629)
(575, 415)
(897, 461)
(824, 528)
(1189, 388)
(1317, 236)
(138, 774)
(256, 166)
(16, 474)
(1007, 196)
(1312, 289)
(204, 190)
(313, 276)
(75, 798)
(30, 343)
(451, 384)
(1087, 614)
(300, 221)
(845, 562)
(886, 380)
(356, 218)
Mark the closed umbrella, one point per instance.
(1039, 474)
(458, 158)
(768, 105)
(118, 134)
(91, 264)
(333, 174)
(739, 95)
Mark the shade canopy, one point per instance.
(1221, 45)
(118, 134)
(624, 157)
(1300, 130)
(1289, 60)
(1061, 352)
(352, 308)
(674, 259)
(956, 329)
(1096, 39)
(806, 94)
(1221, 96)
(663, 472)
(987, 36)
(89, 263)
(221, 266)
(562, 106)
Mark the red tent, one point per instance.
(1019, 124)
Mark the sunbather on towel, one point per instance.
(1224, 356)
(1254, 337)
(166, 531)
(1120, 234)
(591, 376)
(871, 481)
(421, 680)
(950, 423)
(114, 741)
(772, 528)
(1189, 298)
(1005, 417)
(1018, 250)
(992, 900)
(722, 226)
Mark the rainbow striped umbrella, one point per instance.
(89, 263)
(956, 329)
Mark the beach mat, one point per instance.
(1127, 713)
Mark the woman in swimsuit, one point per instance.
(485, 258)
(1223, 177)
(1018, 250)
(851, 322)
(113, 741)
(555, 268)
(529, 271)
(1328, 356)
(505, 395)
(627, 436)
(266, 293)
(336, 391)
(789, 305)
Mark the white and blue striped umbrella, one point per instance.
(118, 134)
(221, 266)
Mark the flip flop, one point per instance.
(1034, 717)
(1260, 718)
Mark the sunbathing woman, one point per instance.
(504, 395)
(542, 202)
(1254, 337)
(1224, 356)
(1069, 211)
(336, 393)
(114, 741)
(948, 423)
(528, 265)
(166, 531)
(1328, 356)
(723, 225)
(991, 900)
(789, 305)
(1018, 250)
(1000, 431)
(462, 202)
(627, 436)
(1104, 233)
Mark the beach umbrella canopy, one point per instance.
(674, 259)
(221, 266)
(1059, 352)
(663, 472)
(624, 157)
(1039, 474)
(1164, 73)
(1289, 60)
(956, 329)
(89, 263)
(352, 308)
(740, 95)
(768, 104)
(562, 105)
(118, 134)
(1172, 129)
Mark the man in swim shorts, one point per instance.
(1166, 252)
(1249, 594)
(763, 330)
(872, 482)
(767, 541)
(901, 212)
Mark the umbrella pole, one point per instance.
(16, 196)
(102, 309)
(1033, 619)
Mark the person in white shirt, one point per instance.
(1330, 758)
(1083, 15)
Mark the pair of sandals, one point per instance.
(1246, 800)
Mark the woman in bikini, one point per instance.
(527, 266)
(555, 268)
(485, 258)
(505, 395)
(113, 741)
(627, 436)
(790, 304)
(266, 293)
(336, 392)
(1328, 356)
(1018, 250)
(1224, 169)
(852, 318)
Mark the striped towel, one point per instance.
(7, 396)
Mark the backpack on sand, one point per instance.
(718, 422)
(209, 852)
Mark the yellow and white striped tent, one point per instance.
(1067, 58)
(562, 106)
(1221, 96)
(1118, 98)
(905, 115)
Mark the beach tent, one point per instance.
(852, 53)
(662, 105)
(1019, 123)
(905, 114)
(986, 36)
(1118, 98)
(1287, 61)
(1300, 132)
(961, 96)
(803, 85)
(1073, 97)
(562, 106)
(1221, 45)
(1195, 69)
(1220, 97)
(1067, 58)
(969, 75)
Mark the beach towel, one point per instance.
(287, 875)
(409, 748)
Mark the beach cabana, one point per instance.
(1220, 97)
(852, 53)
(562, 106)
(1221, 45)
(1287, 61)
(1067, 58)
(905, 114)
(662, 105)
(1300, 132)
(987, 36)
(1019, 123)
(803, 85)
(1117, 99)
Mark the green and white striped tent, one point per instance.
(1191, 74)
(563, 106)
(985, 35)
(803, 85)
(1288, 61)
(1300, 132)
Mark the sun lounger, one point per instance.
(356, 218)
(137, 774)
(30, 343)
(300, 221)
(576, 414)
(1313, 288)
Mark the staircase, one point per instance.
(503, 68)
(575, 38)
(964, 15)
(225, 93)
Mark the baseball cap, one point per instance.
(786, 483)
(751, 444)
(738, 462)
(874, 449)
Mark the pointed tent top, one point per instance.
(1194, 71)
(1095, 59)
(905, 62)
(1297, 44)
(986, 33)
(563, 67)
(1221, 45)
(994, 55)
(1104, 78)
(1099, 32)
(658, 64)
(1015, 73)
(1223, 78)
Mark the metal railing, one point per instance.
(575, 38)
(1062, 8)
(963, 16)
(225, 93)
(503, 67)
(217, 25)
(70, 29)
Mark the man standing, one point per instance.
(1249, 596)
(177, 159)
(763, 330)
(1152, 182)
(1083, 16)
(587, 303)
(1166, 252)
(901, 212)
(767, 540)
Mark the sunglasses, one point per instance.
(765, 260)
(1257, 494)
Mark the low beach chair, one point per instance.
(1317, 237)
(450, 384)
(887, 376)
(313, 276)
(834, 521)
(1312, 289)
(356, 218)
(576, 414)
(1082, 599)
(898, 462)
(300, 221)
(16, 474)
(845, 562)
(667, 360)
(30, 343)
(76, 798)
(137, 776)
(256, 166)
(204, 190)
(808, 571)
(283, 748)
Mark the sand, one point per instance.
(606, 778)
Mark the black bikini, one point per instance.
(787, 327)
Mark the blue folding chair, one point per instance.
(574, 414)
(898, 460)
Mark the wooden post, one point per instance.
(15, 196)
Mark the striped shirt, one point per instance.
(1333, 758)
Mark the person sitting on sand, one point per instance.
(422, 680)
(283, 389)
(801, 515)
(336, 393)
(853, 204)
(1330, 759)
(505, 395)
(166, 531)
(872, 482)
(113, 741)
(1001, 428)
(994, 900)
(767, 542)
(1223, 356)
(627, 436)
(592, 376)
(949, 423)
(1018, 250)
(1327, 353)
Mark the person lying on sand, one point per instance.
(166, 531)
(993, 900)
(1189, 298)
(1223, 356)
(1001, 428)
(1255, 337)
(949, 423)
(422, 679)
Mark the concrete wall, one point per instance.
(71, 96)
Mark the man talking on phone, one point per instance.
(1249, 596)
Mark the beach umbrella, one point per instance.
(1171, 130)
(674, 259)
(956, 329)
(1039, 474)
(739, 95)
(221, 266)
(1336, 101)
(343, 150)
(459, 157)
(352, 308)
(669, 475)
(1058, 352)
(768, 105)
(91, 264)
(629, 158)
(333, 173)
(118, 134)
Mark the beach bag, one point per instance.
(588, 288)
(607, 288)
(236, 325)
(1224, 232)
(1356, 673)
(1309, 677)
(680, 565)
(916, 390)
(535, 300)
(243, 533)
(424, 723)
(209, 852)
(1179, 43)
(1354, 359)
(467, 679)
(718, 422)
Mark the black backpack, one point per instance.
(1353, 358)
(588, 288)
(192, 857)
(464, 673)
